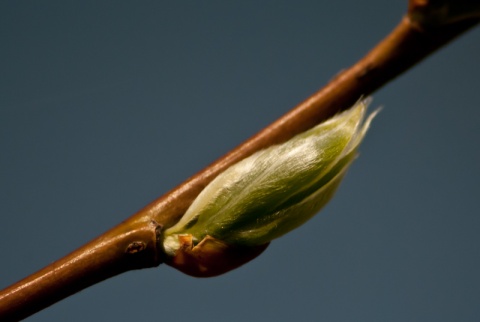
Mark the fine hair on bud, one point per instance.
(275, 190)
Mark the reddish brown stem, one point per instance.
(133, 244)
(124, 248)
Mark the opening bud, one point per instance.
(265, 196)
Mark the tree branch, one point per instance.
(134, 243)
(124, 248)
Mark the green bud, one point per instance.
(276, 189)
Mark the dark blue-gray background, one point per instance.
(104, 106)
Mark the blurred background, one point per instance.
(105, 106)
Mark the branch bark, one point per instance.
(134, 243)
(124, 248)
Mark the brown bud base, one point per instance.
(211, 257)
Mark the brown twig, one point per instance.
(124, 248)
(134, 243)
